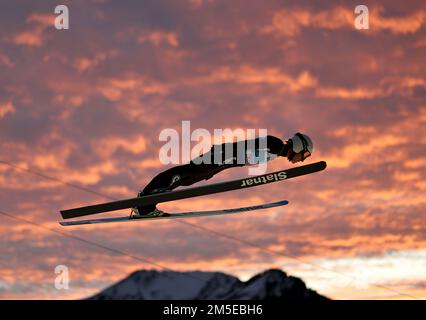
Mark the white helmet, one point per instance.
(301, 143)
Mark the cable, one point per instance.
(224, 235)
(95, 244)
(53, 179)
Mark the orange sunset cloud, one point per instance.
(81, 111)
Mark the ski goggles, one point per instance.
(303, 154)
(306, 154)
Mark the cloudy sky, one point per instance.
(81, 111)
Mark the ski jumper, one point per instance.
(221, 157)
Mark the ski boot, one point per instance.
(135, 213)
(148, 210)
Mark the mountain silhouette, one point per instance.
(271, 284)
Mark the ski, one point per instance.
(178, 215)
(195, 191)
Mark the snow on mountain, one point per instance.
(170, 285)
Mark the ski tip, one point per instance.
(322, 164)
(281, 202)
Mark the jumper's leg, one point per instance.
(184, 175)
